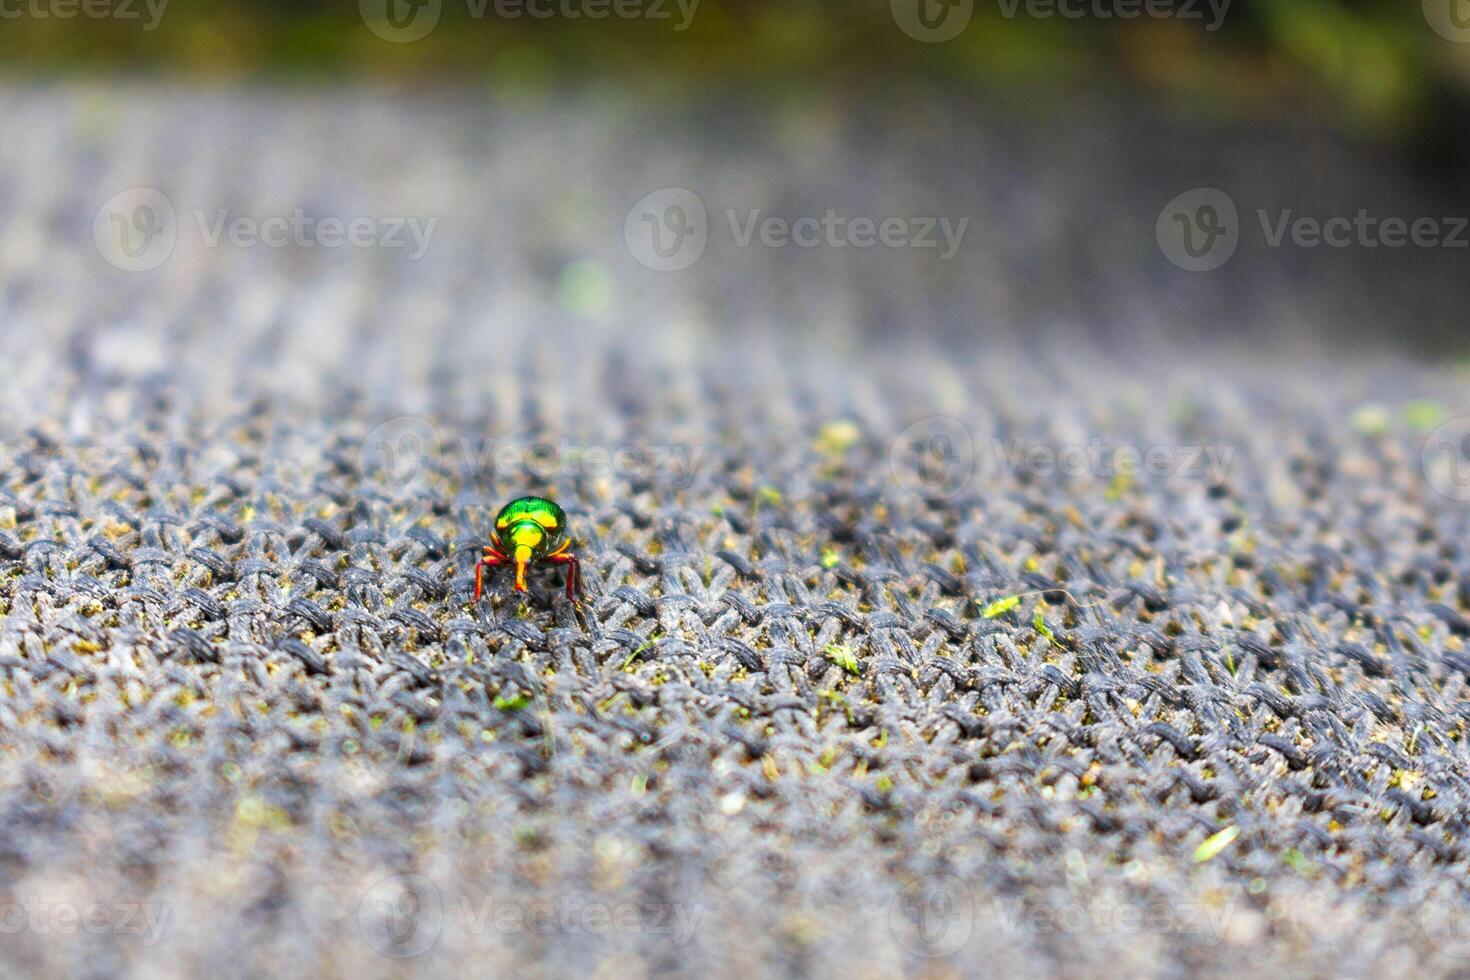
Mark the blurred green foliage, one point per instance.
(1373, 65)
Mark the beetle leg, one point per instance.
(491, 559)
(570, 560)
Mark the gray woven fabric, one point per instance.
(251, 722)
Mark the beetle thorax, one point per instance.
(528, 535)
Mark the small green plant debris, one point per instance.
(1001, 606)
(830, 557)
(513, 704)
(1296, 860)
(840, 702)
(1424, 415)
(838, 436)
(1039, 623)
(842, 657)
(1215, 843)
(634, 655)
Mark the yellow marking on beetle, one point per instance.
(544, 518)
(527, 535)
(522, 556)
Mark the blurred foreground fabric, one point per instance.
(887, 663)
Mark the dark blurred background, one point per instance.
(1059, 137)
(1371, 67)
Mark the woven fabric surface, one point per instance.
(887, 660)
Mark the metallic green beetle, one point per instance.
(529, 529)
